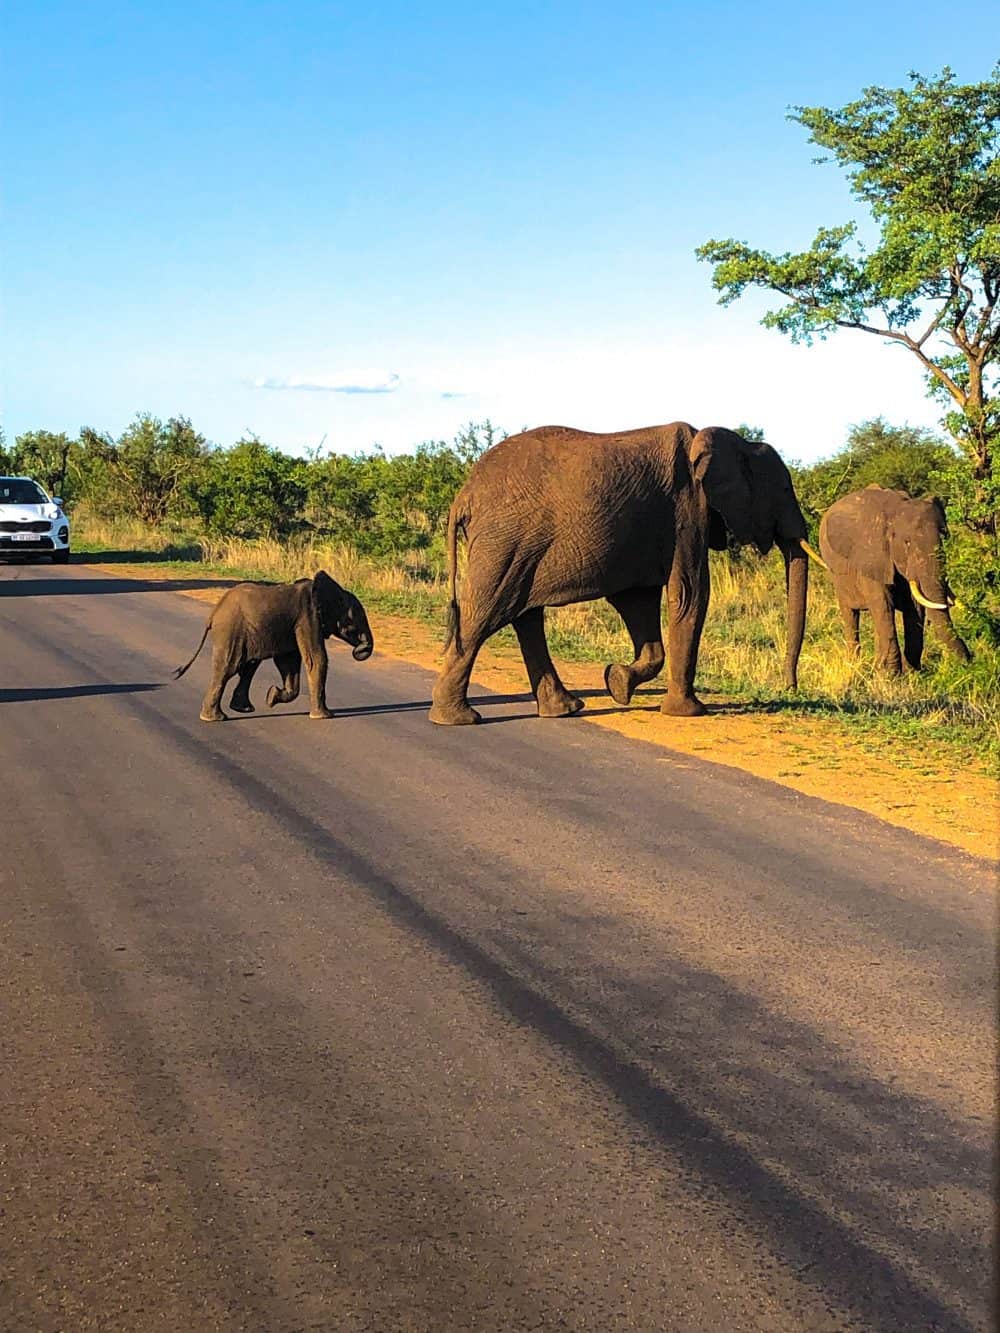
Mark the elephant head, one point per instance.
(749, 488)
(881, 534)
(342, 615)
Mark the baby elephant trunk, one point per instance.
(361, 639)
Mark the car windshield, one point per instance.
(19, 491)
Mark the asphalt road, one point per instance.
(372, 1025)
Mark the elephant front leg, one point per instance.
(551, 695)
(315, 659)
(290, 667)
(223, 670)
(913, 636)
(884, 619)
(240, 702)
(687, 603)
(639, 608)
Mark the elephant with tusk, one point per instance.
(883, 549)
(556, 515)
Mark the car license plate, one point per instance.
(24, 537)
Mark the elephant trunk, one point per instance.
(797, 584)
(945, 631)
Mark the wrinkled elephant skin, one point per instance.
(556, 515)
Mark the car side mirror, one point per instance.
(56, 500)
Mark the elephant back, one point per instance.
(560, 466)
(855, 533)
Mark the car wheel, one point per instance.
(60, 557)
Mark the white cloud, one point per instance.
(374, 383)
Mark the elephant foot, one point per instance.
(217, 716)
(320, 714)
(461, 716)
(241, 706)
(618, 683)
(275, 695)
(561, 706)
(682, 705)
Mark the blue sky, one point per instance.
(373, 223)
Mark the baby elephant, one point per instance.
(286, 621)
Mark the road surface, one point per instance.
(372, 1025)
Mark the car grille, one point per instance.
(37, 525)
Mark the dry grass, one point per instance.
(742, 648)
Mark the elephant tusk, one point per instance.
(809, 551)
(919, 597)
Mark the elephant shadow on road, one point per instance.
(645, 702)
(423, 705)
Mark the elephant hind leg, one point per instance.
(224, 668)
(240, 701)
(849, 618)
(290, 667)
(551, 695)
(639, 608)
(884, 618)
(449, 700)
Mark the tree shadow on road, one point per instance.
(86, 587)
(37, 692)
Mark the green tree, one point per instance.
(906, 458)
(252, 490)
(150, 472)
(53, 459)
(924, 160)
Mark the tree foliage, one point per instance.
(167, 473)
(250, 490)
(52, 459)
(906, 458)
(150, 470)
(925, 160)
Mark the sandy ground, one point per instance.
(817, 756)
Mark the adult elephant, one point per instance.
(883, 549)
(556, 515)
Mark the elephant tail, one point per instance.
(180, 670)
(453, 632)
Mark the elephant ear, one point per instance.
(330, 598)
(721, 467)
(856, 533)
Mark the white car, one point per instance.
(31, 522)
